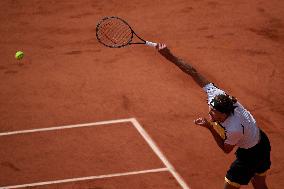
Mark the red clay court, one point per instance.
(75, 114)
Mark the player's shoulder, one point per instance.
(212, 89)
(210, 86)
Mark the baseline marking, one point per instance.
(86, 178)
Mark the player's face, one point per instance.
(214, 115)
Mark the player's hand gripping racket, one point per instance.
(114, 32)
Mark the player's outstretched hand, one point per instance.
(161, 46)
(202, 122)
(163, 50)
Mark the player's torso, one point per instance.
(242, 121)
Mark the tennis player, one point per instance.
(231, 125)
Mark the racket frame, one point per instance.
(152, 44)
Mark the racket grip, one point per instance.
(151, 44)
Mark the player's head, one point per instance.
(223, 103)
(221, 107)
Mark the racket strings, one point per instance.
(123, 34)
(114, 32)
(113, 36)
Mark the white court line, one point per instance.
(66, 127)
(159, 153)
(86, 178)
(135, 123)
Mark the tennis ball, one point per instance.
(19, 55)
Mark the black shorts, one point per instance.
(249, 162)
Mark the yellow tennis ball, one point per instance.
(19, 55)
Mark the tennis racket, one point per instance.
(115, 32)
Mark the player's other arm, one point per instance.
(184, 66)
(227, 148)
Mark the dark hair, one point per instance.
(224, 103)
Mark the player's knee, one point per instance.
(259, 182)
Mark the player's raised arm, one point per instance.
(184, 66)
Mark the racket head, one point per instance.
(114, 32)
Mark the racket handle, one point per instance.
(151, 44)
